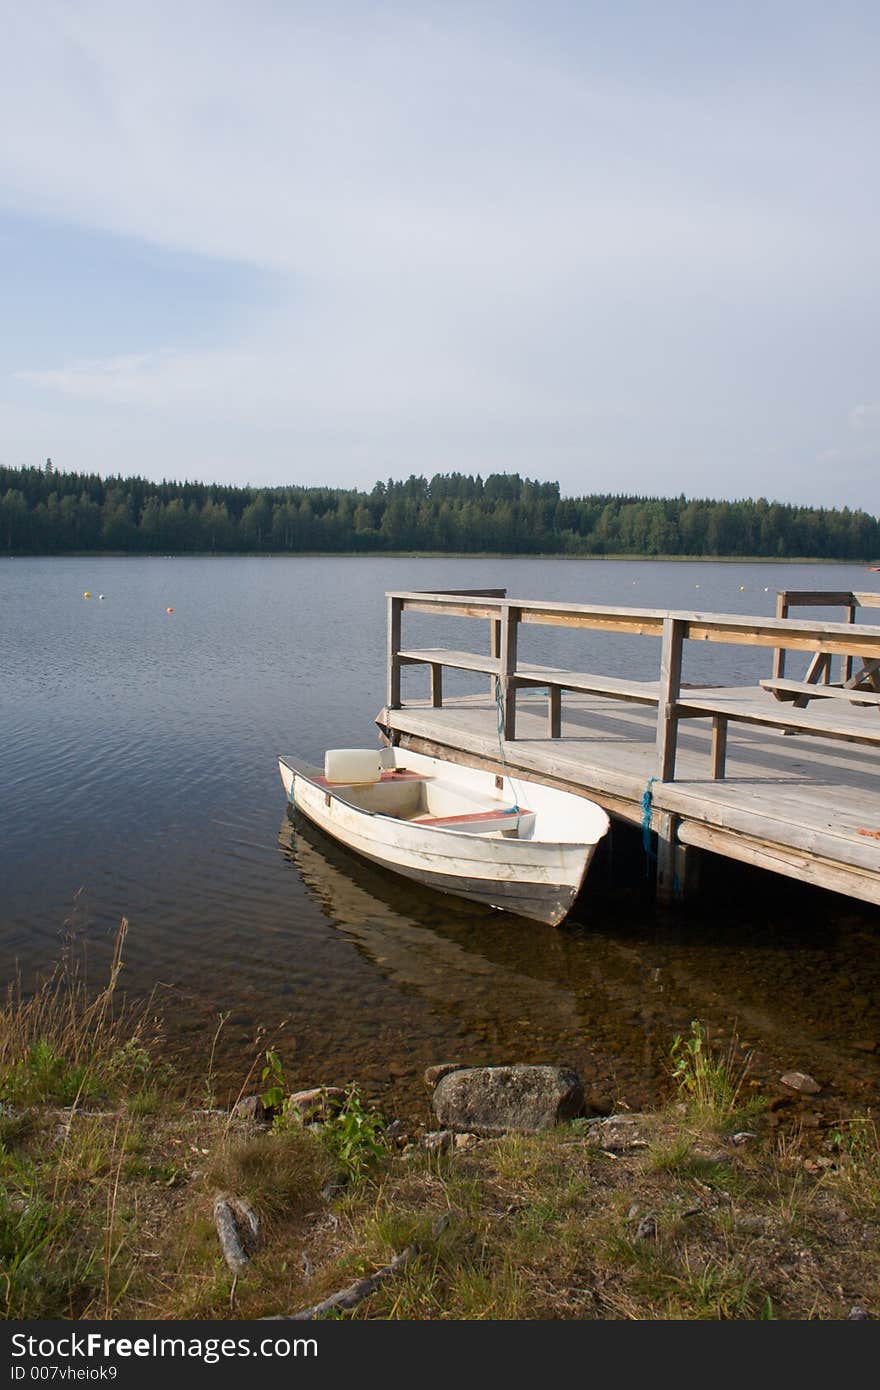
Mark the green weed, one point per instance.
(709, 1081)
(354, 1135)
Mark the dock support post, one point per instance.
(847, 665)
(436, 685)
(670, 689)
(554, 711)
(779, 652)
(676, 865)
(719, 746)
(509, 632)
(395, 614)
(494, 651)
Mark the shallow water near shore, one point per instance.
(139, 776)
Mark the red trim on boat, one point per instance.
(473, 816)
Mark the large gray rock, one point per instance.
(497, 1100)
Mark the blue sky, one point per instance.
(632, 247)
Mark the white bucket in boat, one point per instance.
(352, 765)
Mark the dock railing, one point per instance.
(499, 660)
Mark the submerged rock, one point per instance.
(499, 1100)
(800, 1081)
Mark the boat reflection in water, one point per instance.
(424, 940)
(490, 987)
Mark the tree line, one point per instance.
(44, 512)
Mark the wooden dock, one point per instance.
(783, 774)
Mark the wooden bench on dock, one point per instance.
(858, 687)
(438, 657)
(800, 693)
(850, 728)
(582, 683)
(549, 678)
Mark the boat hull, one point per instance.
(532, 877)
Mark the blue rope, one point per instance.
(646, 823)
(650, 852)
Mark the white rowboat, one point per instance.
(455, 829)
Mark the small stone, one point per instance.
(400, 1069)
(743, 1136)
(618, 1134)
(250, 1108)
(647, 1228)
(438, 1141)
(433, 1074)
(317, 1101)
(857, 1315)
(466, 1141)
(800, 1081)
(755, 1225)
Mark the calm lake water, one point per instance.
(139, 778)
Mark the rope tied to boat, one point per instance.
(499, 704)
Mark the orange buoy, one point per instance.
(169, 610)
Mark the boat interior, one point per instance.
(433, 802)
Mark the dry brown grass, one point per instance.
(63, 1042)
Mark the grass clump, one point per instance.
(280, 1172)
(855, 1173)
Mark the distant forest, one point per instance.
(44, 512)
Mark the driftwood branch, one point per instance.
(238, 1231)
(356, 1293)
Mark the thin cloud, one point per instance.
(550, 248)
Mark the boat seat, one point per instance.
(481, 822)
